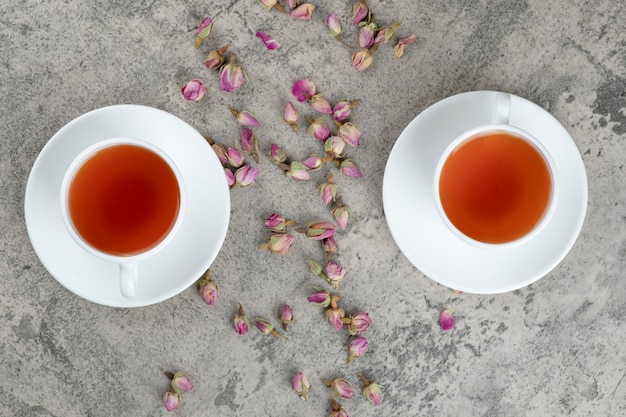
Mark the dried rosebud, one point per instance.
(314, 267)
(334, 273)
(334, 25)
(208, 290)
(329, 245)
(350, 134)
(171, 400)
(334, 146)
(246, 175)
(277, 155)
(338, 410)
(244, 118)
(303, 90)
(240, 322)
(215, 59)
(276, 222)
(181, 382)
(446, 320)
(291, 4)
(298, 172)
(349, 168)
(320, 104)
(291, 115)
(319, 229)
(366, 35)
(300, 384)
(321, 298)
(232, 75)
(402, 43)
(362, 59)
(342, 215)
(371, 391)
(249, 144)
(269, 42)
(285, 316)
(318, 129)
(328, 192)
(313, 162)
(385, 34)
(342, 111)
(340, 388)
(357, 348)
(335, 317)
(266, 327)
(221, 152)
(234, 157)
(359, 12)
(268, 4)
(230, 177)
(279, 243)
(302, 12)
(359, 323)
(203, 31)
(193, 90)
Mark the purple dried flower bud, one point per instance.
(221, 152)
(232, 75)
(334, 145)
(373, 393)
(385, 34)
(276, 222)
(230, 177)
(321, 298)
(335, 273)
(171, 400)
(350, 134)
(277, 155)
(402, 43)
(335, 317)
(300, 384)
(313, 162)
(349, 168)
(366, 35)
(319, 229)
(194, 90)
(314, 267)
(302, 12)
(359, 323)
(328, 191)
(264, 326)
(303, 90)
(248, 141)
(298, 172)
(341, 215)
(203, 31)
(446, 320)
(246, 175)
(319, 130)
(320, 104)
(362, 59)
(234, 157)
(329, 245)
(208, 291)
(291, 115)
(269, 42)
(244, 118)
(340, 388)
(334, 25)
(280, 243)
(181, 382)
(357, 348)
(240, 322)
(359, 12)
(215, 59)
(285, 316)
(342, 111)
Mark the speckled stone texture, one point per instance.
(554, 348)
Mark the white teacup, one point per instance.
(495, 185)
(123, 201)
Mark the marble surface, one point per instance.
(553, 348)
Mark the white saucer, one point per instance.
(176, 266)
(419, 231)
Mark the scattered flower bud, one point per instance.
(318, 129)
(241, 322)
(350, 134)
(334, 25)
(298, 172)
(366, 35)
(215, 59)
(246, 175)
(244, 118)
(300, 384)
(359, 12)
(340, 388)
(207, 288)
(279, 243)
(358, 323)
(268, 4)
(321, 298)
(362, 59)
(314, 267)
(303, 90)
(230, 177)
(335, 317)
(320, 104)
(277, 155)
(266, 327)
(181, 382)
(291, 116)
(342, 111)
(291, 4)
(318, 230)
(269, 42)
(349, 168)
(234, 157)
(371, 391)
(313, 162)
(328, 192)
(302, 12)
(221, 152)
(203, 31)
(342, 215)
(171, 400)
(338, 410)
(446, 320)
(334, 146)
(249, 143)
(276, 222)
(335, 273)
(285, 316)
(194, 90)
(385, 34)
(329, 245)
(357, 348)
(402, 43)
(232, 75)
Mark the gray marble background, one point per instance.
(553, 348)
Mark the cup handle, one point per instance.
(502, 109)
(129, 277)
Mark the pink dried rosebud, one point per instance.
(215, 59)
(230, 177)
(319, 229)
(335, 273)
(318, 129)
(342, 215)
(329, 245)
(249, 144)
(276, 222)
(334, 25)
(279, 243)
(291, 4)
(194, 90)
(446, 320)
(203, 31)
(366, 35)
(335, 317)
(350, 134)
(359, 12)
(314, 267)
(359, 323)
(171, 400)
(349, 168)
(232, 75)
(244, 118)
(328, 192)
(342, 111)
(300, 384)
(321, 298)
(240, 322)
(266, 327)
(298, 172)
(334, 146)
(357, 348)
(246, 175)
(320, 104)
(234, 157)
(340, 388)
(313, 162)
(181, 382)
(221, 152)
(338, 410)
(402, 43)
(362, 59)
(371, 391)
(269, 42)
(302, 12)
(208, 289)
(385, 34)
(291, 115)
(285, 316)
(303, 90)
(277, 155)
